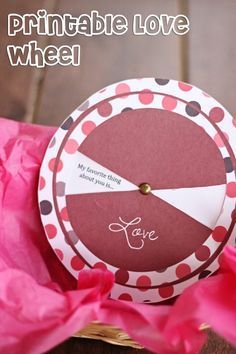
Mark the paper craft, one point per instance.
(140, 180)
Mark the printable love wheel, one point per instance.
(140, 180)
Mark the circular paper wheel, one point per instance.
(141, 181)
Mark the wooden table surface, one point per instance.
(206, 58)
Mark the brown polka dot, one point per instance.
(127, 109)
(45, 207)
(204, 274)
(193, 108)
(162, 82)
(228, 165)
(67, 124)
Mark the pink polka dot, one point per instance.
(105, 109)
(216, 114)
(219, 233)
(221, 259)
(64, 214)
(88, 127)
(122, 276)
(100, 265)
(233, 215)
(125, 297)
(183, 270)
(234, 122)
(184, 87)
(42, 183)
(51, 230)
(218, 140)
(71, 146)
(52, 164)
(169, 103)
(146, 96)
(143, 283)
(166, 291)
(203, 253)
(77, 263)
(59, 253)
(231, 189)
(122, 88)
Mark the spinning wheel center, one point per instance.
(145, 188)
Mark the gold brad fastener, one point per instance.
(145, 188)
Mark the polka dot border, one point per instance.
(215, 115)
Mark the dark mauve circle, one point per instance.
(204, 274)
(193, 108)
(67, 124)
(162, 82)
(45, 207)
(228, 165)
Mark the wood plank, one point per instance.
(214, 345)
(212, 50)
(87, 346)
(184, 44)
(107, 59)
(15, 82)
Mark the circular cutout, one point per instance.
(92, 200)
